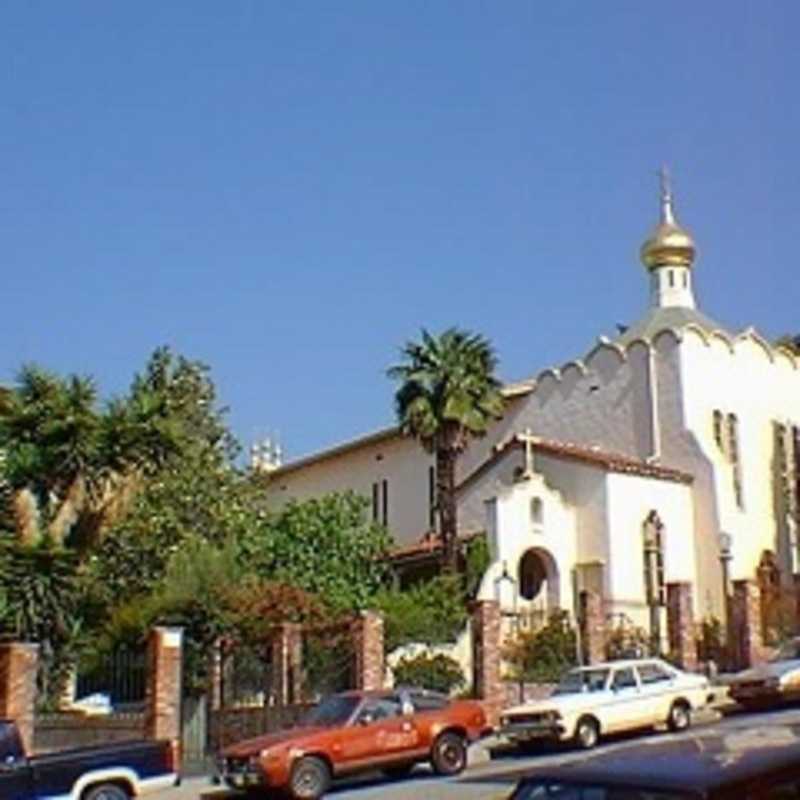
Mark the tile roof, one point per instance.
(611, 462)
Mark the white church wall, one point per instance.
(400, 461)
(630, 499)
(745, 378)
(514, 528)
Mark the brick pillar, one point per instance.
(367, 634)
(19, 664)
(287, 663)
(796, 586)
(486, 679)
(744, 633)
(680, 624)
(592, 627)
(164, 685)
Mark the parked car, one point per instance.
(355, 731)
(108, 772)
(760, 764)
(774, 682)
(607, 698)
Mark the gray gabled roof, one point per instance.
(675, 317)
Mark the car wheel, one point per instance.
(449, 754)
(399, 772)
(107, 791)
(587, 732)
(680, 716)
(310, 779)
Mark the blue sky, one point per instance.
(288, 191)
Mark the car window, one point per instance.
(423, 701)
(652, 673)
(583, 680)
(376, 709)
(624, 679)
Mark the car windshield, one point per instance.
(539, 790)
(788, 651)
(333, 710)
(583, 680)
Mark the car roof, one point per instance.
(624, 662)
(703, 762)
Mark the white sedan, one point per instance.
(608, 698)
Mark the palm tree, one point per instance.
(448, 396)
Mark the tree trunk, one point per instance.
(68, 511)
(26, 517)
(446, 503)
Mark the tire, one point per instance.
(680, 716)
(399, 772)
(449, 754)
(310, 778)
(106, 791)
(587, 733)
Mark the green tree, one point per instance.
(543, 655)
(195, 491)
(448, 395)
(326, 546)
(429, 613)
(70, 465)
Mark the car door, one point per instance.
(379, 733)
(658, 690)
(626, 709)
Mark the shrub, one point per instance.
(541, 656)
(440, 673)
(429, 613)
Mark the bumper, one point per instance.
(756, 694)
(244, 780)
(528, 731)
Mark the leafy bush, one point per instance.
(626, 640)
(440, 673)
(429, 613)
(541, 656)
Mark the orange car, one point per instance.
(357, 731)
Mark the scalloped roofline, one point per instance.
(749, 334)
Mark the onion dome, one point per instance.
(669, 245)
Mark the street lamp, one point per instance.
(505, 592)
(725, 557)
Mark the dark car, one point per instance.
(108, 772)
(755, 764)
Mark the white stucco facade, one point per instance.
(676, 416)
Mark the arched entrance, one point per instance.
(538, 579)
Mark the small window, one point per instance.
(379, 708)
(652, 673)
(717, 422)
(624, 679)
(537, 511)
(376, 502)
(671, 278)
(385, 503)
(428, 701)
(685, 279)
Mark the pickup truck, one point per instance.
(107, 772)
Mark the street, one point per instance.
(493, 779)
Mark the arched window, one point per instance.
(653, 551)
(717, 423)
(733, 455)
(537, 511)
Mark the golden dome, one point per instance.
(669, 245)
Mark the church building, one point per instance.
(665, 454)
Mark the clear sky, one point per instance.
(290, 190)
